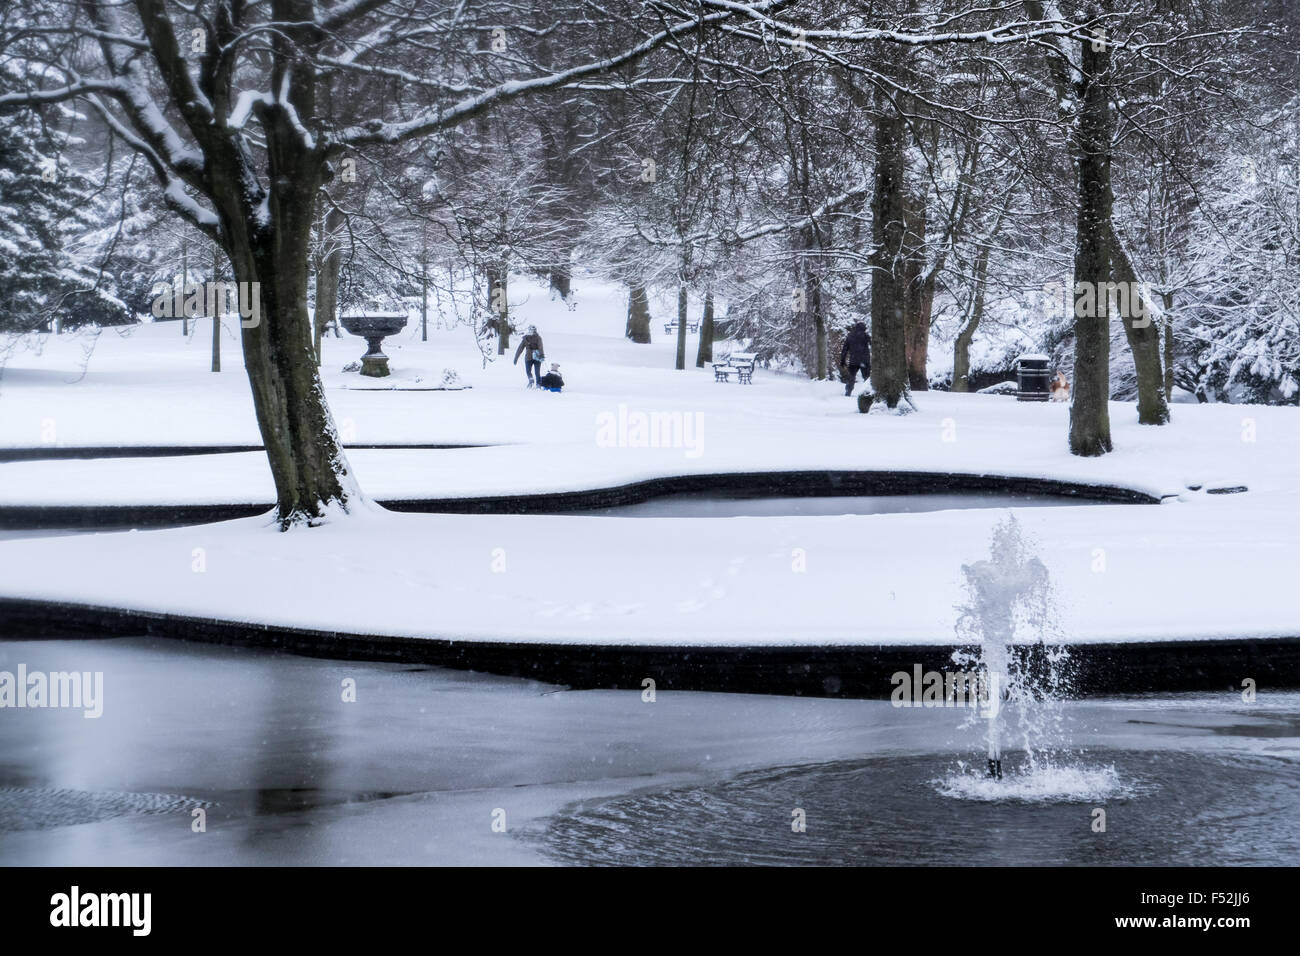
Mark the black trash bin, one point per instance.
(1032, 378)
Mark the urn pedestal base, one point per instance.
(374, 363)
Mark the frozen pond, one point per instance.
(281, 769)
(710, 505)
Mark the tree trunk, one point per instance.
(311, 471)
(638, 316)
(681, 325)
(805, 350)
(704, 354)
(424, 302)
(424, 286)
(918, 288)
(216, 317)
(185, 281)
(818, 307)
(888, 340)
(498, 292)
(1089, 412)
(327, 279)
(313, 479)
(1143, 339)
(561, 279)
(961, 348)
(1168, 299)
(810, 310)
(920, 306)
(267, 241)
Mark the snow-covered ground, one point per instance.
(1197, 566)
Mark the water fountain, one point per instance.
(1008, 591)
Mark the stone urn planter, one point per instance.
(374, 327)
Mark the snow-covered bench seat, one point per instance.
(742, 363)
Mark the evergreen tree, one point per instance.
(46, 206)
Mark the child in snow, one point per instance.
(530, 346)
(1060, 388)
(551, 381)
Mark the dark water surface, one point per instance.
(266, 751)
(1161, 807)
(713, 505)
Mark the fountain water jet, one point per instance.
(1008, 591)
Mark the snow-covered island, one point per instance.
(1188, 568)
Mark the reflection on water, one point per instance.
(289, 772)
(1161, 807)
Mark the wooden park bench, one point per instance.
(741, 363)
(692, 325)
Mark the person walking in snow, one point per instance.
(530, 346)
(855, 355)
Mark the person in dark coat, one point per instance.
(855, 356)
(552, 381)
(530, 346)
